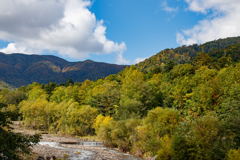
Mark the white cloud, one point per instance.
(121, 60)
(66, 26)
(167, 8)
(221, 23)
(137, 60)
(11, 48)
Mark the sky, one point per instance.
(113, 31)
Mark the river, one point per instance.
(88, 151)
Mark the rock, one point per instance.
(54, 158)
(154, 158)
(40, 158)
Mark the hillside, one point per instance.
(184, 54)
(20, 69)
(4, 85)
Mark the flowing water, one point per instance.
(85, 154)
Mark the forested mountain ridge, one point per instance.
(185, 54)
(20, 69)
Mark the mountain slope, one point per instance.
(20, 69)
(185, 53)
(4, 85)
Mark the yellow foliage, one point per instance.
(165, 153)
(107, 120)
(100, 121)
(11, 107)
(233, 154)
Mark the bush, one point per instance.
(165, 152)
(233, 154)
(99, 121)
(204, 138)
(158, 123)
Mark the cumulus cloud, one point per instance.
(65, 26)
(137, 60)
(167, 8)
(222, 20)
(120, 59)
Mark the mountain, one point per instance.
(20, 69)
(185, 53)
(4, 85)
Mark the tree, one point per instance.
(69, 82)
(14, 145)
(204, 138)
(169, 66)
(231, 108)
(104, 97)
(158, 123)
(225, 61)
(156, 70)
(49, 88)
(202, 59)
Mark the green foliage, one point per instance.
(81, 120)
(37, 93)
(38, 114)
(168, 66)
(162, 121)
(117, 133)
(67, 117)
(225, 61)
(158, 123)
(104, 96)
(185, 54)
(203, 138)
(14, 145)
(156, 70)
(231, 113)
(202, 59)
(137, 96)
(182, 70)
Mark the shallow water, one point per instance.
(84, 154)
(84, 143)
(87, 155)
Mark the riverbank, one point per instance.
(66, 147)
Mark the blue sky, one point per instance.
(113, 31)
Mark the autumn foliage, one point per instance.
(177, 111)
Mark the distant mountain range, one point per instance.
(20, 69)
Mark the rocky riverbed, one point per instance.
(73, 148)
(62, 147)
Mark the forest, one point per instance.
(185, 54)
(182, 111)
